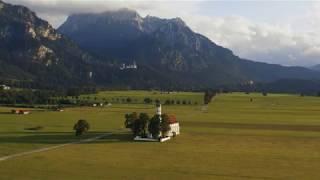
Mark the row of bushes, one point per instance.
(86, 100)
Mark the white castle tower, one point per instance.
(134, 66)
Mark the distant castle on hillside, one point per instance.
(129, 66)
(4, 87)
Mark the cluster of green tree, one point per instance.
(95, 99)
(170, 101)
(24, 84)
(124, 100)
(183, 102)
(75, 101)
(292, 86)
(77, 91)
(89, 100)
(142, 125)
(208, 95)
(26, 97)
(82, 126)
(42, 96)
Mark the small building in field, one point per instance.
(23, 112)
(175, 129)
(174, 126)
(172, 122)
(15, 111)
(58, 109)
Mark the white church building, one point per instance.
(174, 129)
(174, 125)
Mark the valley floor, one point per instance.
(273, 137)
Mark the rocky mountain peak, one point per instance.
(169, 54)
(178, 21)
(20, 18)
(34, 46)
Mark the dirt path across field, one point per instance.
(4, 158)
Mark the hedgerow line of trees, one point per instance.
(130, 100)
(41, 96)
(26, 97)
(74, 98)
(31, 97)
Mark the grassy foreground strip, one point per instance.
(4, 158)
(272, 137)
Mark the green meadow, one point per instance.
(272, 137)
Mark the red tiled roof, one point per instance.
(172, 119)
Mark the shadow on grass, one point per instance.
(7, 113)
(61, 138)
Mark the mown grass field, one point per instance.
(273, 137)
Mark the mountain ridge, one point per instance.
(170, 45)
(89, 49)
(35, 48)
